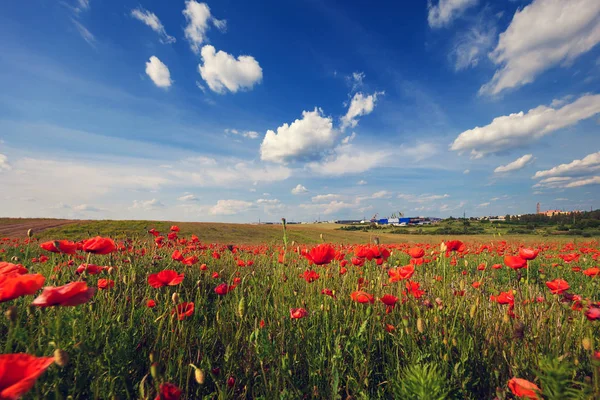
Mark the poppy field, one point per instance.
(168, 316)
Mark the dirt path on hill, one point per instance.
(18, 227)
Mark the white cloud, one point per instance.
(324, 198)
(349, 160)
(150, 19)
(82, 5)
(230, 207)
(355, 80)
(541, 35)
(446, 11)
(327, 208)
(85, 33)
(304, 139)
(516, 165)
(585, 166)
(519, 129)
(268, 201)
(158, 72)
(419, 151)
(360, 105)
(4, 165)
(565, 182)
(299, 189)
(147, 205)
(382, 194)
(87, 208)
(471, 45)
(349, 139)
(198, 17)
(188, 197)
(250, 134)
(482, 205)
(466, 172)
(424, 198)
(361, 182)
(222, 72)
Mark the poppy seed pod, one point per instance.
(11, 313)
(61, 358)
(175, 298)
(29, 233)
(198, 374)
(586, 343)
(420, 325)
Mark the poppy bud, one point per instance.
(151, 357)
(154, 370)
(198, 374)
(14, 259)
(111, 270)
(242, 307)
(61, 358)
(11, 313)
(420, 325)
(443, 247)
(405, 321)
(454, 342)
(586, 343)
(231, 382)
(473, 310)
(175, 298)
(29, 233)
(321, 236)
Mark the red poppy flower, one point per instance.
(557, 286)
(388, 300)
(215, 275)
(476, 284)
(455, 245)
(310, 276)
(523, 388)
(222, 289)
(18, 373)
(151, 303)
(297, 313)
(357, 261)
(593, 313)
(177, 256)
(168, 391)
(401, 273)
(594, 271)
(174, 228)
(154, 232)
(413, 288)
(528, 254)
(360, 296)
(15, 285)
(191, 260)
(105, 284)
(497, 266)
(99, 245)
(183, 310)
(416, 252)
(504, 298)
(60, 246)
(7, 268)
(167, 277)
(515, 262)
(71, 294)
(328, 292)
(321, 254)
(89, 269)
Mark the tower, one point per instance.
(538, 208)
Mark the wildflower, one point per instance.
(515, 262)
(183, 310)
(167, 277)
(401, 273)
(360, 296)
(151, 303)
(413, 288)
(60, 246)
(528, 254)
(328, 292)
(416, 252)
(297, 313)
(174, 228)
(222, 289)
(523, 388)
(168, 391)
(15, 285)
(310, 276)
(321, 254)
(594, 271)
(177, 256)
(18, 373)
(593, 313)
(105, 284)
(557, 286)
(99, 245)
(71, 294)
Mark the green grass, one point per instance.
(463, 347)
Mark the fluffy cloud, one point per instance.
(299, 189)
(359, 105)
(355, 80)
(541, 35)
(147, 205)
(361, 182)
(565, 182)
(515, 130)
(304, 139)
(446, 11)
(222, 72)
(150, 19)
(187, 197)
(230, 207)
(424, 198)
(158, 72)
(585, 166)
(324, 198)
(471, 45)
(516, 165)
(87, 208)
(4, 165)
(246, 134)
(482, 205)
(347, 159)
(198, 17)
(327, 208)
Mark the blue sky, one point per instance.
(230, 111)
